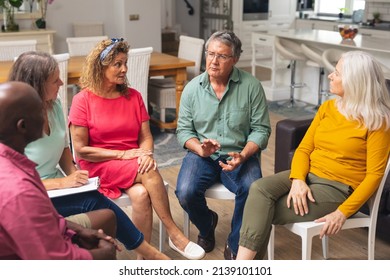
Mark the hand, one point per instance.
(209, 147)
(230, 165)
(146, 163)
(299, 193)
(90, 238)
(333, 223)
(76, 179)
(135, 153)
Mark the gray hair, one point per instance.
(227, 38)
(366, 98)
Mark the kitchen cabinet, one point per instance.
(282, 10)
(44, 38)
(280, 16)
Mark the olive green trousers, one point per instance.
(267, 204)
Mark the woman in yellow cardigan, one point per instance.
(336, 167)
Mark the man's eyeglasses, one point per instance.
(220, 57)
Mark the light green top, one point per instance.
(241, 116)
(47, 151)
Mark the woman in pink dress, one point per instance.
(111, 136)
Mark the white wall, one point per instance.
(190, 24)
(114, 14)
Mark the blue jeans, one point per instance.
(197, 174)
(74, 204)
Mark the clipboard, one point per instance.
(92, 185)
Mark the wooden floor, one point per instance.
(347, 245)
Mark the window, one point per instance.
(333, 7)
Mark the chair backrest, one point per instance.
(312, 54)
(191, 48)
(330, 57)
(11, 49)
(374, 201)
(288, 49)
(81, 46)
(62, 60)
(83, 29)
(138, 70)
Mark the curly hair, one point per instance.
(92, 75)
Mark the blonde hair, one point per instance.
(92, 75)
(366, 98)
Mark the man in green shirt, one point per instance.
(224, 124)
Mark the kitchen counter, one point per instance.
(384, 26)
(333, 39)
(278, 87)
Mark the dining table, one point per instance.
(161, 64)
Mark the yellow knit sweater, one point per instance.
(337, 149)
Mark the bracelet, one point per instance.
(124, 152)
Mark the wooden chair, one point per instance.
(91, 28)
(81, 46)
(306, 230)
(138, 62)
(62, 60)
(162, 92)
(11, 49)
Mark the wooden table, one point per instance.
(160, 65)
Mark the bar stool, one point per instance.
(314, 57)
(330, 57)
(291, 51)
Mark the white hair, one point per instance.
(366, 98)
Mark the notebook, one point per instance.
(92, 185)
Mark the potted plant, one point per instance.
(377, 17)
(342, 11)
(8, 6)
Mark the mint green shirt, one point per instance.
(241, 116)
(47, 151)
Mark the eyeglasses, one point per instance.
(221, 57)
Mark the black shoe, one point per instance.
(228, 254)
(208, 242)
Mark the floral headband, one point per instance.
(105, 52)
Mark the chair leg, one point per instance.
(371, 243)
(325, 247)
(271, 244)
(186, 224)
(306, 246)
(163, 236)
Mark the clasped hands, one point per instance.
(93, 239)
(299, 194)
(210, 146)
(144, 157)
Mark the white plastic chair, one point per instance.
(162, 92)
(306, 230)
(81, 46)
(124, 201)
(62, 60)
(11, 49)
(138, 62)
(92, 28)
(216, 191)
